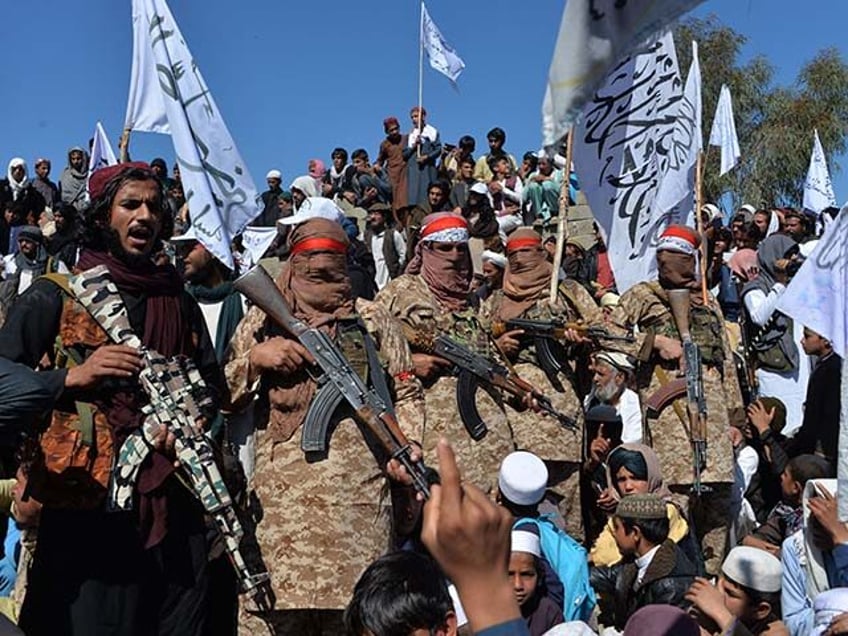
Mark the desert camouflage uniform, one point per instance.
(320, 524)
(409, 300)
(561, 448)
(646, 307)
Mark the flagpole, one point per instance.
(420, 77)
(124, 146)
(563, 214)
(699, 222)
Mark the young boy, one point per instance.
(522, 481)
(746, 601)
(400, 593)
(786, 518)
(654, 569)
(527, 576)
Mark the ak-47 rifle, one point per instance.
(696, 402)
(472, 369)
(370, 409)
(177, 397)
(548, 336)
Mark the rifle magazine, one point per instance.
(466, 399)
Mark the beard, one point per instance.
(608, 391)
(113, 243)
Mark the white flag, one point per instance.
(593, 36)
(624, 146)
(723, 133)
(818, 189)
(102, 154)
(676, 194)
(816, 298)
(218, 187)
(145, 107)
(256, 241)
(442, 55)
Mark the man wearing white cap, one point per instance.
(494, 265)
(269, 200)
(746, 601)
(612, 373)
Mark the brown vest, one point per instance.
(78, 445)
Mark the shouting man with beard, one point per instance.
(98, 571)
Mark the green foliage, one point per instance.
(774, 124)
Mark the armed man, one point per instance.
(525, 296)
(318, 475)
(97, 570)
(433, 298)
(689, 433)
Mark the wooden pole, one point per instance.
(562, 228)
(124, 146)
(699, 222)
(420, 79)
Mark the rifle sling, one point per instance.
(662, 376)
(328, 399)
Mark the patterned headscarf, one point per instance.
(448, 275)
(528, 273)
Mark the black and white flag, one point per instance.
(636, 131)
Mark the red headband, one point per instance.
(445, 223)
(319, 245)
(681, 233)
(521, 243)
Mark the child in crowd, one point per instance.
(764, 433)
(400, 593)
(527, 576)
(522, 481)
(814, 559)
(746, 601)
(654, 570)
(635, 469)
(746, 464)
(19, 546)
(786, 517)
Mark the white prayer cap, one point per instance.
(571, 628)
(835, 599)
(827, 606)
(274, 174)
(523, 478)
(712, 211)
(610, 300)
(494, 258)
(314, 208)
(479, 188)
(753, 568)
(526, 541)
(616, 359)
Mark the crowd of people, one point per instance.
(581, 491)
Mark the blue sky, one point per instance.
(294, 80)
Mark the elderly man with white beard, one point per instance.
(612, 373)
